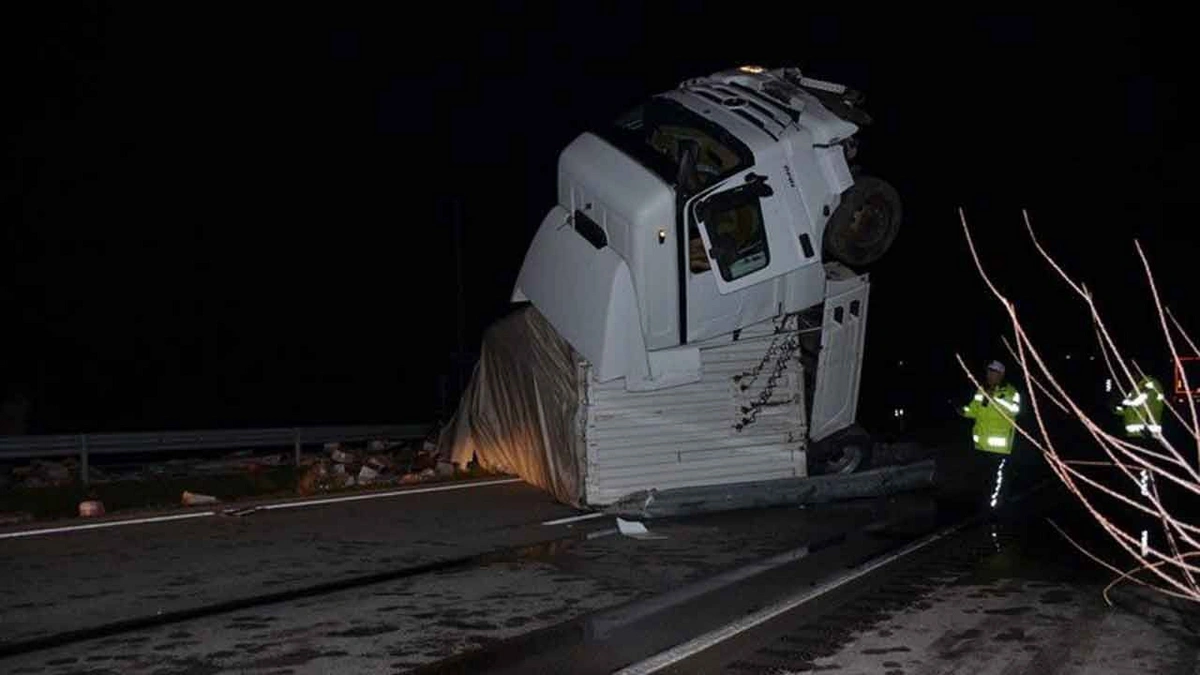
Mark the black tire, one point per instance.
(865, 224)
(845, 452)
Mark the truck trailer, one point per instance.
(692, 311)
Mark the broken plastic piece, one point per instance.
(636, 530)
(193, 499)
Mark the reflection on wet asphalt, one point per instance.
(1008, 596)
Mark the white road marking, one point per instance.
(575, 519)
(692, 647)
(112, 523)
(265, 507)
(603, 625)
(389, 493)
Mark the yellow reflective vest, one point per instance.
(994, 428)
(1141, 410)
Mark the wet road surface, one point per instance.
(81, 580)
(422, 621)
(1007, 596)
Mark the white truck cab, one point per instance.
(698, 263)
(702, 211)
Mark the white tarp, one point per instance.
(518, 413)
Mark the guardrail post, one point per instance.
(297, 446)
(83, 459)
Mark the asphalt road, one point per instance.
(1007, 597)
(604, 583)
(81, 580)
(1004, 597)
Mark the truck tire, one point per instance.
(847, 451)
(865, 224)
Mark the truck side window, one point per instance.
(739, 240)
(697, 256)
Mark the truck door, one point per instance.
(839, 366)
(745, 226)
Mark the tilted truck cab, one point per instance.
(691, 237)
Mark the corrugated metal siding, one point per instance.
(685, 436)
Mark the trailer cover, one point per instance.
(519, 412)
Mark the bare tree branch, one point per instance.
(1172, 570)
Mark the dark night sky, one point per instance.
(243, 216)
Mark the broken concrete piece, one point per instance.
(343, 457)
(91, 508)
(193, 499)
(367, 475)
(381, 463)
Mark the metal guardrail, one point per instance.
(85, 445)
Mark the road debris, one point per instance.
(41, 473)
(91, 508)
(636, 530)
(193, 499)
(316, 478)
(648, 504)
(367, 475)
(16, 518)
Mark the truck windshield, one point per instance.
(684, 149)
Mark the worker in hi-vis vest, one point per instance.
(994, 409)
(1141, 409)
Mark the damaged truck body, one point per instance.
(692, 311)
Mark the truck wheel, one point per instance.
(845, 452)
(865, 224)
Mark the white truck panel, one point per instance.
(632, 206)
(817, 194)
(587, 295)
(833, 165)
(839, 366)
(685, 436)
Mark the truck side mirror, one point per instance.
(757, 185)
